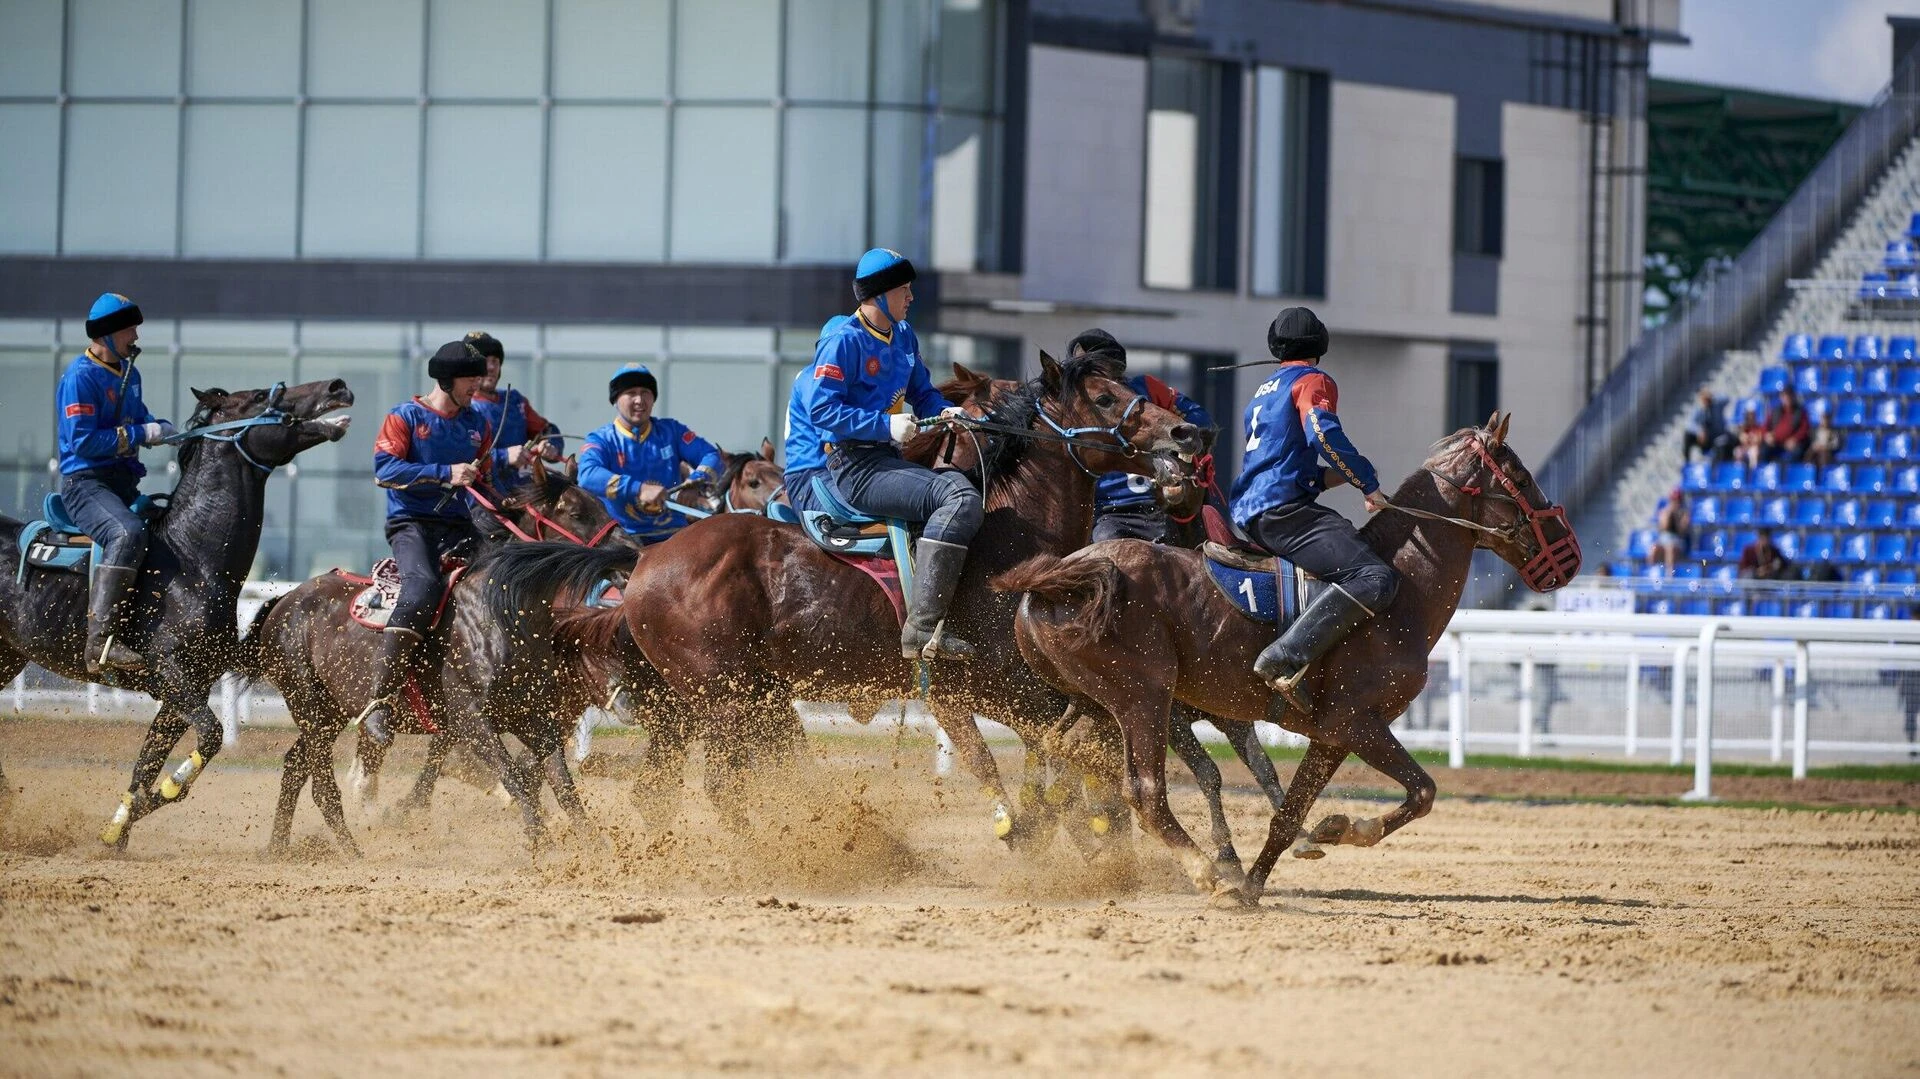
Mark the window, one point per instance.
(607, 193)
(727, 50)
(1479, 206)
(483, 181)
(823, 217)
(365, 48)
(29, 178)
(122, 50)
(362, 182)
(1290, 183)
(610, 48)
(487, 48)
(1473, 385)
(110, 211)
(243, 47)
(240, 172)
(723, 184)
(1193, 132)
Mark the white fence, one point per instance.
(1770, 666)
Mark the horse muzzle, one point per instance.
(1554, 562)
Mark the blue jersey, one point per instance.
(859, 377)
(101, 413)
(414, 455)
(1117, 490)
(1291, 426)
(616, 460)
(517, 425)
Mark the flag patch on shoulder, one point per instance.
(828, 370)
(79, 408)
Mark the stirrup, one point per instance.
(930, 651)
(102, 662)
(1289, 688)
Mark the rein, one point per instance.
(1074, 437)
(1553, 563)
(541, 523)
(233, 432)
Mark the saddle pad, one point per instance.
(886, 574)
(43, 546)
(1273, 597)
(373, 605)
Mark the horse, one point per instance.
(1127, 628)
(742, 615)
(491, 669)
(200, 551)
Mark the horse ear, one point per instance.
(766, 449)
(1049, 372)
(207, 397)
(1500, 436)
(962, 375)
(1492, 423)
(573, 467)
(539, 471)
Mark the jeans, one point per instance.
(1131, 522)
(97, 500)
(418, 546)
(878, 482)
(1325, 544)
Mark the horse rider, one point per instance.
(103, 423)
(429, 449)
(1292, 425)
(849, 414)
(631, 462)
(512, 414)
(1123, 503)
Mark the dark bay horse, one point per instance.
(742, 615)
(1126, 628)
(198, 558)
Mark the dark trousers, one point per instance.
(1325, 544)
(418, 546)
(878, 482)
(97, 500)
(1148, 522)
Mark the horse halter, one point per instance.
(542, 524)
(1554, 562)
(234, 432)
(1073, 436)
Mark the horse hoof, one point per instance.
(1332, 829)
(1002, 822)
(1228, 896)
(1307, 850)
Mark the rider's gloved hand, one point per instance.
(901, 426)
(152, 434)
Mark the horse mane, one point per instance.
(1387, 532)
(736, 463)
(1019, 408)
(203, 415)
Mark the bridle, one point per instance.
(1553, 563)
(1073, 437)
(234, 432)
(542, 524)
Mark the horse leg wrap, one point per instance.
(117, 825)
(175, 786)
(1002, 820)
(1097, 821)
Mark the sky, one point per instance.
(1835, 49)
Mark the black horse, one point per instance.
(197, 559)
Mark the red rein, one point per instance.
(1556, 561)
(542, 524)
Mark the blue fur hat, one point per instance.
(111, 313)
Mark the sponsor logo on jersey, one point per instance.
(79, 408)
(828, 370)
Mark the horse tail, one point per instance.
(252, 661)
(1089, 582)
(524, 579)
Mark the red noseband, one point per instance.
(1554, 562)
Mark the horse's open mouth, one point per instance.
(329, 421)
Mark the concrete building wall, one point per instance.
(1086, 141)
(1390, 208)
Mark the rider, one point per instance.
(847, 415)
(517, 424)
(1291, 425)
(1123, 503)
(103, 424)
(427, 450)
(631, 462)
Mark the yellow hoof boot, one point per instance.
(1100, 825)
(117, 825)
(1002, 822)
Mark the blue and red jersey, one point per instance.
(101, 413)
(1292, 425)
(517, 421)
(1118, 490)
(859, 377)
(414, 455)
(616, 460)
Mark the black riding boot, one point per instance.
(1326, 622)
(110, 610)
(389, 675)
(936, 573)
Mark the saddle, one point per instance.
(1260, 586)
(860, 541)
(373, 605)
(55, 542)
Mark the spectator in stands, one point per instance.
(1818, 572)
(1787, 429)
(1707, 430)
(1823, 444)
(1674, 523)
(1762, 561)
(1752, 450)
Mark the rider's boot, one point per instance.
(1326, 622)
(389, 675)
(109, 611)
(936, 573)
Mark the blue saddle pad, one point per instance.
(842, 529)
(54, 509)
(1273, 598)
(43, 545)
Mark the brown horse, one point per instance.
(1127, 628)
(742, 615)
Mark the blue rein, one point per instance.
(1072, 435)
(234, 432)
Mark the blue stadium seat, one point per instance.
(1697, 476)
(1900, 256)
(1706, 510)
(1768, 608)
(1837, 479)
(1778, 511)
(1696, 607)
(1806, 380)
(1906, 480)
(1868, 576)
(1903, 349)
(1802, 477)
(1913, 227)
(1856, 549)
(1831, 349)
(1739, 540)
(1798, 347)
(1724, 573)
(1819, 547)
(1730, 476)
(1898, 446)
(1856, 446)
(1839, 379)
(1688, 571)
(1738, 511)
(1818, 408)
(1891, 549)
(1850, 412)
(1749, 408)
(1623, 567)
(1772, 379)
(1881, 513)
(1640, 544)
(1866, 347)
(1910, 516)
(1659, 605)
(1789, 544)
(1708, 543)
(1845, 513)
(1906, 381)
(1888, 412)
(1885, 611)
(1729, 608)
(1901, 576)
(1805, 608)
(1766, 477)
(1877, 378)
(1905, 287)
(1874, 285)
(1655, 571)
(1839, 608)
(1810, 512)
(1870, 479)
